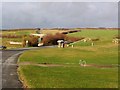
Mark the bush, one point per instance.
(72, 39)
(96, 39)
(32, 40)
(64, 33)
(73, 31)
(52, 39)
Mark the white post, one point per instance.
(59, 45)
(27, 43)
(92, 44)
(72, 46)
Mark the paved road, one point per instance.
(8, 69)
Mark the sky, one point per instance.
(59, 14)
(60, 0)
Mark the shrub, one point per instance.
(73, 39)
(73, 31)
(64, 33)
(32, 40)
(52, 39)
(96, 39)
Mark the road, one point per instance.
(8, 69)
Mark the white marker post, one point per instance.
(92, 44)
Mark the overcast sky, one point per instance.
(59, 14)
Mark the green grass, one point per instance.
(27, 32)
(81, 43)
(18, 32)
(73, 75)
(71, 55)
(105, 36)
(102, 34)
(0, 41)
(6, 42)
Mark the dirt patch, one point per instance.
(40, 64)
(65, 65)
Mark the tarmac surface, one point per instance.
(8, 68)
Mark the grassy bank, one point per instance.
(69, 77)
(68, 73)
(60, 68)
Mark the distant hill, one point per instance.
(102, 28)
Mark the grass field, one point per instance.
(62, 69)
(28, 32)
(5, 41)
(18, 32)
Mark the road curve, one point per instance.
(9, 67)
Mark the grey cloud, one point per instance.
(54, 14)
